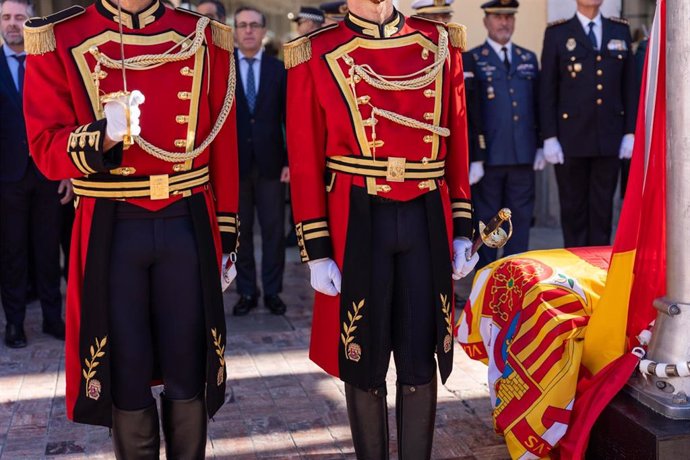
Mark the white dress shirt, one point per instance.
(13, 64)
(244, 68)
(498, 48)
(598, 28)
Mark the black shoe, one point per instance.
(275, 304)
(55, 328)
(244, 305)
(14, 336)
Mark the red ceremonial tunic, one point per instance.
(342, 144)
(66, 130)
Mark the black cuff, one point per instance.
(229, 226)
(314, 239)
(478, 149)
(462, 218)
(85, 148)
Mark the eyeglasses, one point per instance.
(251, 25)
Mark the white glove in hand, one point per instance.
(325, 276)
(463, 264)
(476, 171)
(228, 272)
(553, 151)
(116, 126)
(626, 150)
(539, 160)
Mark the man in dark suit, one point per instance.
(260, 99)
(588, 107)
(29, 204)
(507, 77)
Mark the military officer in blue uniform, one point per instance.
(588, 103)
(507, 77)
(442, 11)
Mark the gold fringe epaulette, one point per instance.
(620, 21)
(557, 22)
(222, 35)
(296, 52)
(39, 36)
(458, 35)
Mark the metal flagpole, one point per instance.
(667, 390)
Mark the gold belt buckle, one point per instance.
(396, 169)
(159, 187)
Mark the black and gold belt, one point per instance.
(157, 187)
(393, 169)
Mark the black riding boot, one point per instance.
(415, 411)
(184, 427)
(135, 434)
(368, 416)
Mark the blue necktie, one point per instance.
(20, 73)
(506, 61)
(251, 84)
(592, 37)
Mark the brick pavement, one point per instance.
(279, 405)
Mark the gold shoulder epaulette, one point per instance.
(620, 20)
(298, 51)
(557, 22)
(458, 35)
(221, 34)
(39, 37)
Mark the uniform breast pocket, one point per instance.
(616, 54)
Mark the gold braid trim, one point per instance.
(39, 40)
(222, 35)
(458, 35)
(297, 52)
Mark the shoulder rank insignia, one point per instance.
(221, 34)
(458, 35)
(557, 23)
(620, 20)
(39, 37)
(298, 51)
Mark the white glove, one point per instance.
(463, 264)
(228, 272)
(625, 152)
(553, 151)
(325, 276)
(476, 171)
(539, 160)
(116, 125)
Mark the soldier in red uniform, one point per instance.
(377, 143)
(144, 300)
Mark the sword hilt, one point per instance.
(491, 234)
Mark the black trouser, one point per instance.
(585, 188)
(156, 310)
(506, 187)
(30, 219)
(267, 198)
(402, 288)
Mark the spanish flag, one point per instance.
(637, 273)
(557, 328)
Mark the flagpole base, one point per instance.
(629, 429)
(657, 395)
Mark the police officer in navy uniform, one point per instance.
(507, 77)
(588, 108)
(442, 11)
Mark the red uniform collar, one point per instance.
(372, 29)
(132, 20)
